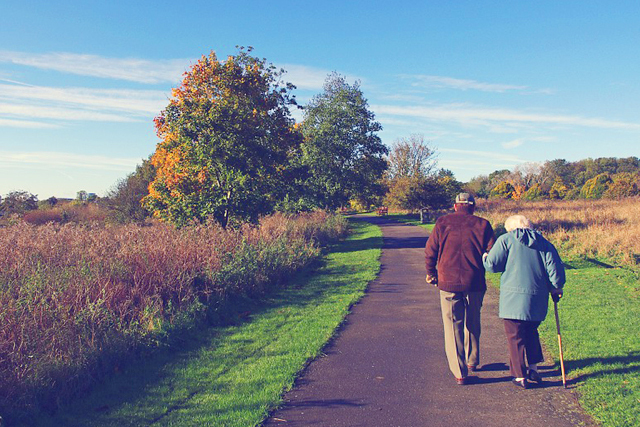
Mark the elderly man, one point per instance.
(453, 257)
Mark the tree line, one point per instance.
(605, 177)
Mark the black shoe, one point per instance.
(534, 376)
(520, 383)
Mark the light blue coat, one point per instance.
(530, 267)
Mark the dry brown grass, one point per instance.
(75, 298)
(599, 228)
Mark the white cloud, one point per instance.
(305, 77)
(513, 144)
(17, 111)
(44, 159)
(28, 106)
(130, 69)
(26, 124)
(134, 101)
(481, 116)
(460, 84)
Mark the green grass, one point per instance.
(234, 375)
(599, 321)
(413, 219)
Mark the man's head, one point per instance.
(464, 203)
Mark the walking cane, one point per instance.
(564, 378)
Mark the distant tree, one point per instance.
(18, 202)
(435, 191)
(595, 187)
(82, 196)
(503, 190)
(227, 138)
(535, 192)
(342, 152)
(411, 157)
(124, 200)
(629, 165)
(624, 184)
(479, 185)
(558, 190)
(557, 169)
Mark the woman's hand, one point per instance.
(556, 294)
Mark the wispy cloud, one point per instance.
(481, 116)
(44, 159)
(134, 101)
(460, 84)
(306, 78)
(478, 161)
(24, 105)
(26, 124)
(130, 69)
(513, 144)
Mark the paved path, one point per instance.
(386, 366)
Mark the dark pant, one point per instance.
(522, 337)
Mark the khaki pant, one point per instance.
(461, 320)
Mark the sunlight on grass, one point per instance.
(601, 344)
(234, 375)
(413, 219)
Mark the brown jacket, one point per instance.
(454, 252)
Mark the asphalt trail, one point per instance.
(386, 365)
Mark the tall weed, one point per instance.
(608, 229)
(77, 300)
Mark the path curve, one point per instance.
(386, 365)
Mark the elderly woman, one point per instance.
(531, 269)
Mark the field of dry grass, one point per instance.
(606, 229)
(75, 299)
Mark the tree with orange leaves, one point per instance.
(227, 138)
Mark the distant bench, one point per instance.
(383, 210)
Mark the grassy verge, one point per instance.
(233, 375)
(599, 325)
(413, 219)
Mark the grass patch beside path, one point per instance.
(413, 219)
(601, 340)
(234, 375)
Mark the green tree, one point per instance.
(503, 190)
(342, 151)
(535, 192)
(18, 202)
(227, 138)
(624, 184)
(479, 185)
(124, 200)
(558, 190)
(595, 187)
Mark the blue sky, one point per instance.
(490, 84)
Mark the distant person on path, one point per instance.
(531, 269)
(453, 257)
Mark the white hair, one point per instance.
(516, 221)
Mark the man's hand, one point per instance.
(484, 256)
(432, 280)
(556, 294)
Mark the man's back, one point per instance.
(455, 248)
